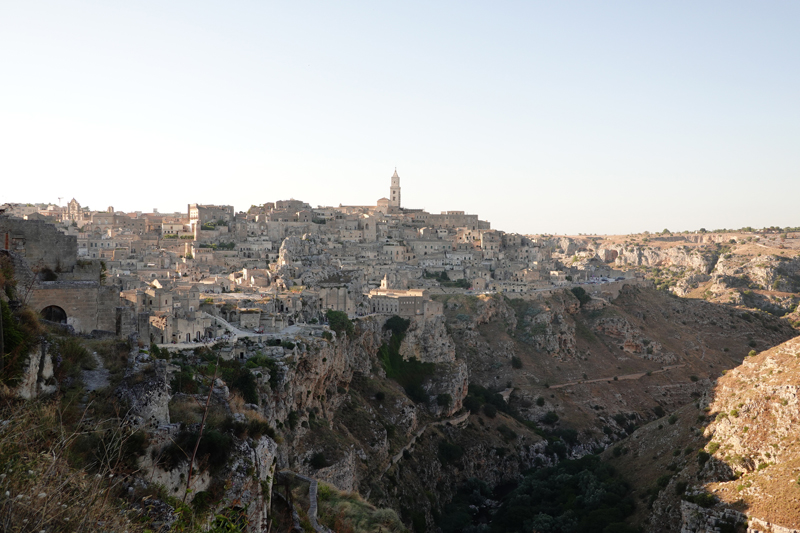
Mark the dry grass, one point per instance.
(41, 491)
(347, 512)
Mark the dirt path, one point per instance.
(98, 378)
(638, 375)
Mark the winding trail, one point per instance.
(638, 375)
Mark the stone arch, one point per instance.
(54, 313)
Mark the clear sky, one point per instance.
(559, 117)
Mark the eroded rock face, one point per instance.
(428, 341)
(250, 474)
(638, 256)
(37, 376)
(145, 390)
(632, 340)
(689, 283)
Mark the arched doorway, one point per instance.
(54, 313)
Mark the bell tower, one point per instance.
(394, 190)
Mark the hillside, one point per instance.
(605, 366)
(731, 456)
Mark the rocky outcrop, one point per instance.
(632, 340)
(690, 282)
(652, 257)
(427, 340)
(37, 375)
(145, 389)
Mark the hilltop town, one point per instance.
(214, 272)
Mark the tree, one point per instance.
(339, 322)
(581, 295)
(665, 231)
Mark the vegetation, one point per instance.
(349, 513)
(409, 373)
(581, 295)
(45, 486)
(339, 322)
(583, 495)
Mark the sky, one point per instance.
(541, 117)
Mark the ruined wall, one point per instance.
(40, 243)
(89, 306)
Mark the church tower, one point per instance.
(394, 190)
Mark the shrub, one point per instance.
(397, 325)
(339, 322)
(550, 418)
(213, 451)
(713, 447)
(659, 411)
(472, 404)
(444, 400)
(490, 410)
(184, 382)
(581, 295)
(703, 500)
(318, 460)
(540, 401)
(380, 396)
(449, 452)
(516, 362)
(672, 419)
(292, 419)
(702, 458)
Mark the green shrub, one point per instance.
(550, 418)
(581, 295)
(184, 382)
(702, 458)
(703, 500)
(397, 325)
(339, 322)
(444, 400)
(672, 419)
(516, 362)
(547, 500)
(490, 410)
(540, 401)
(410, 373)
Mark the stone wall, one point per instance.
(89, 306)
(40, 243)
